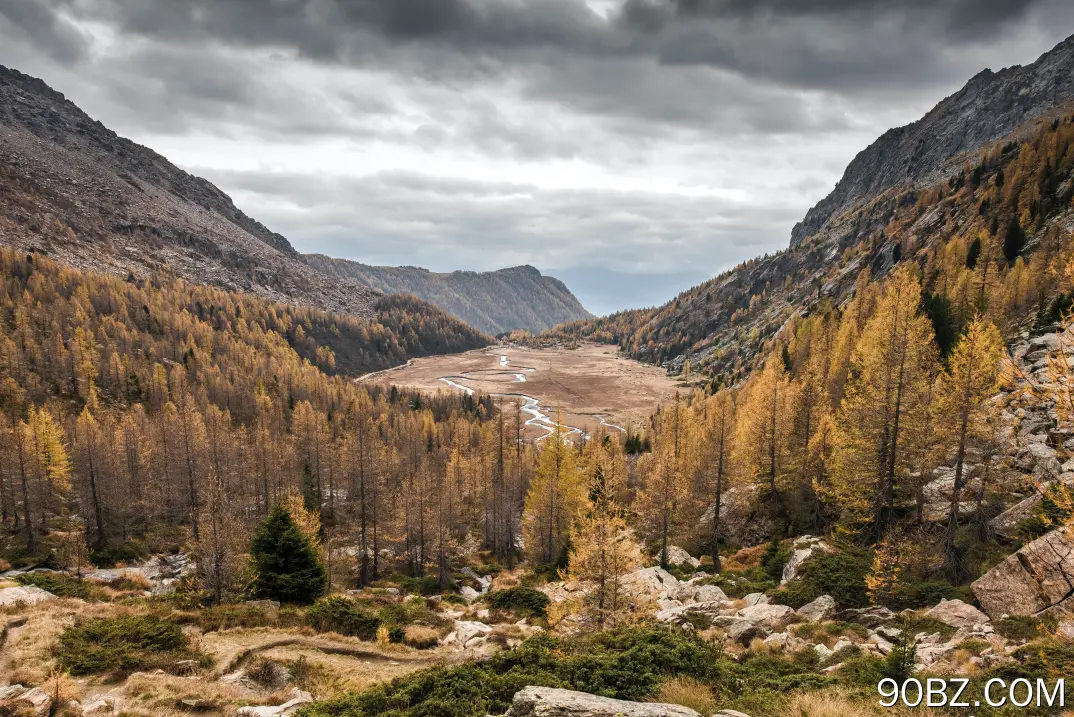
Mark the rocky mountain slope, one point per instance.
(73, 189)
(991, 105)
(992, 160)
(496, 301)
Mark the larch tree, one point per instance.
(719, 431)
(894, 363)
(556, 496)
(764, 425)
(603, 549)
(966, 387)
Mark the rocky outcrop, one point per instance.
(820, 609)
(24, 594)
(1037, 578)
(802, 550)
(957, 614)
(553, 702)
(19, 700)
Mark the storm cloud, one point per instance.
(614, 137)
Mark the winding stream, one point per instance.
(530, 405)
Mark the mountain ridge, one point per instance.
(497, 302)
(989, 106)
(72, 188)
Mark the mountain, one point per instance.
(991, 105)
(987, 173)
(495, 301)
(73, 189)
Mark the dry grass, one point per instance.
(835, 704)
(744, 559)
(422, 637)
(152, 694)
(687, 692)
(27, 655)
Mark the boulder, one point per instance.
(25, 701)
(709, 593)
(679, 557)
(802, 550)
(755, 599)
(102, 706)
(957, 614)
(649, 585)
(1044, 458)
(298, 700)
(740, 629)
(688, 615)
(820, 609)
(1038, 577)
(25, 594)
(767, 615)
(553, 702)
(468, 632)
(468, 593)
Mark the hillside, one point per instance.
(495, 302)
(73, 189)
(1018, 184)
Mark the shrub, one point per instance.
(58, 584)
(288, 568)
(421, 637)
(688, 692)
(914, 595)
(519, 600)
(841, 575)
(1023, 627)
(627, 664)
(429, 585)
(123, 644)
(339, 614)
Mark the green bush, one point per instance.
(519, 600)
(915, 595)
(627, 664)
(125, 553)
(396, 633)
(429, 585)
(1024, 627)
(342, 615)
(123, 644)
(58, 584)
(288, 567)
(841, 575)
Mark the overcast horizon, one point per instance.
(631, 148)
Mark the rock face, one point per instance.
(552, 702)
(26, 594)
(991, 105)
(1038, 577)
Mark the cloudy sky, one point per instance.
(631, 147)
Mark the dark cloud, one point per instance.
(50, 32)
(739, 113)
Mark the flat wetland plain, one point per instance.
(587, 387)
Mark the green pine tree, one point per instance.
(288, 567)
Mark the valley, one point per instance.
(591, 388)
